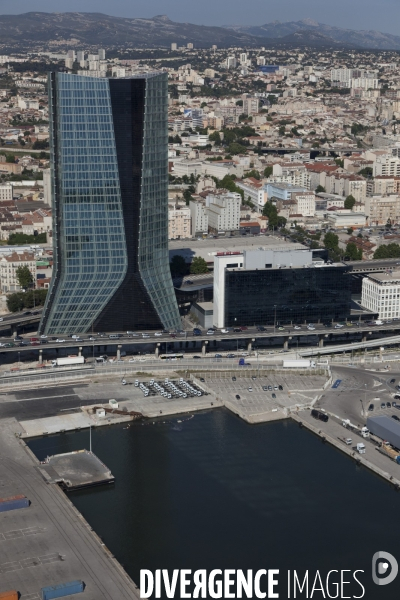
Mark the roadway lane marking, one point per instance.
(47, 397)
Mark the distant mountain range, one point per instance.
(59, 30)
(348, 37)
(54, 29)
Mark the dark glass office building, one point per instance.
(109, 165)
(298, 295)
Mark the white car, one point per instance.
(132, 360)
(59, 340)
(158, 333)
(311, 328)
(297, 327)
(145, 335)
(338, 326)
(1, 319)
(210, 332)
(224, 330)
(43, 337)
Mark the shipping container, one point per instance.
(385, 428)
(62, 589)
(11, 595)
(13, 503)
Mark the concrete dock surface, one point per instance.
(76, 470)
(49, 542)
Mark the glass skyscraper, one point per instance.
(109, 148)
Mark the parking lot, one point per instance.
(246, 395)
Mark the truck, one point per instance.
(364, 432)
(68, 360)
(299, 364)
(243, 363)
(360, 448)
(386, 429)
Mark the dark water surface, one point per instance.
(213, 492)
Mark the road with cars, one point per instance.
(243, 334)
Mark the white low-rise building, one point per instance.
(381, 294)
(9, 264)
(223, 211)
(6, 192)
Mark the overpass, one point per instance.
(377, 343)
(287, 337)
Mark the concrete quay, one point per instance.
(333, 431)
(49, 542)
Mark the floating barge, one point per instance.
(75, 470)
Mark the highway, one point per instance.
(182, 340)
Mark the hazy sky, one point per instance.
(382, 15)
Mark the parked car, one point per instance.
(237, 397)
(274, 395)
(233, 378)
(371, 407)
(280, 387)
(383, 405)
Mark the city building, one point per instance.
(223, 212)
(278, 286)
(382, 209)
(9, 264)
(109, 165)
(179, 222)
(6, 192)
(199, 217)
(381, 294)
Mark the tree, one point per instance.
(178, 265)
(352, 252)
(15, 302)
(319, 189)
(24, 276)
(349, 202)
(389, 251)
(198, 266)
(236, 148)
(253, 173)
(366, 172)
(331, 241)
(187, 196)
(215, 137)
(350, 231)
(268, 171)
(274, 220)
(40, 145)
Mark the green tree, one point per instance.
(331, 241)
(350, 231)
(10, 158)
(236, 148)
(319, 189)
(40, 145)
(23, 238)
(366, 172)
(15, 302)
(253, 173)
(352, 252)
(187, 196)
(268, 171)
(274, 220)
(215, 137)
(349, 202)
(178, 265)
(198, 266)
(24, 276)
(389, 251)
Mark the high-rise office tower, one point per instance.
(109, 170)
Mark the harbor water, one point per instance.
(209, 491)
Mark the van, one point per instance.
(113, 336)
(319, 415)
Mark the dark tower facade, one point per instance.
(109, 168)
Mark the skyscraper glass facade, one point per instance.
(285, 296)
(110, 223)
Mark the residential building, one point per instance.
(382, 209)
(381, 294)
(223, 212)
(179, 222)
(199, 217)
(9, 264)
(253, 190)
(6, 192)
(282, 191)
(110, 180)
